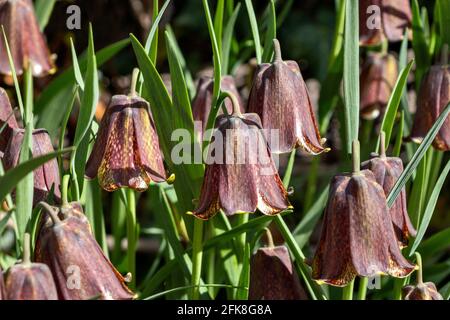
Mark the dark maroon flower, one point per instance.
(357, 234)
(378, 77)
(7, 119)
(80, 269)
(25, 39)
(280, 97)
(434, 95)
(201, 106)
(381, 20)
(30, 281)
(46, 177)
(422, 290)
(272, 276)
(240, 174)
(387, 170)
(126, 152)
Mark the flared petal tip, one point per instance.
(171, 179)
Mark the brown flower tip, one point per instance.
(434, 95)
(381, 20)
(46, 177)
(280, 97)
(7, 120)
(387, 171)
(201, 106)
(30, 281)
(423, 291)
(357, 234)
(25, 39)
(378, 77)
(240, 173)
(126, 152)
(80, 268)
(272, 276)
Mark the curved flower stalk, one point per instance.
(46, 177)
(7, 120)
(280, 97)
(80, 269)
(25, 39)
(272, 276)
(126, 152)
(378, 77)
(357, 234)
(240, 174)
(30, 281)
(381, 20)
(387, 171)
(422, 290)
(201, 106)
(434, 95)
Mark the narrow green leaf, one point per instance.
(255, 31)
(438, 242)
(402, 63)
(418, 155)
(271, 33)
(244, 279)
(420, 44)
(399, 140)
(4, 221)
(351, 72)
(218, 22)
(430, 208)
(444, 20)
(394, 101)
(227, 39)
(76, 66)
(44, 9)
(149, 43)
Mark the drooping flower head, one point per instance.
(240, 174)
(30, 281)
(81, 270)
(383, 20)
(46, 177)
(126, 152)
(434, 95)
(387, 171)
(357, 234)
(26, 41)
(378, 77)
(280, 97)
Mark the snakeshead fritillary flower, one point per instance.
(240, 174)
(126, 152)
(6, 118)
(280, 97)
(381, 20)
(30, 281)
(25, 39)
(46, 177)
(81, 271)
(387, 170)
(201, 106)
(272, 276)
(378, 77)
(357, 233)
(434, 95)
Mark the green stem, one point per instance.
(26, 249)
(197, 255)
(419, 270)
(65, 189)
(347, 292)
(356, 157)
(362, 291)
(131, 235)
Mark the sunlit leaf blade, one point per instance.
(44, 9)
(351, 72)
(153, 30)
(227, 39)
(430, 208)
(76, 67)
(418, 155)
(394, 101)
(271, 33)
(255, 30)
(218, 22)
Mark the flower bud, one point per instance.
(25, 39)
(280, 97)
(424, 291)
(81, 270)
(30, 281)
(378, 77)
(126, 152)
(272, 276)
(46, 177)
(434, 95)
